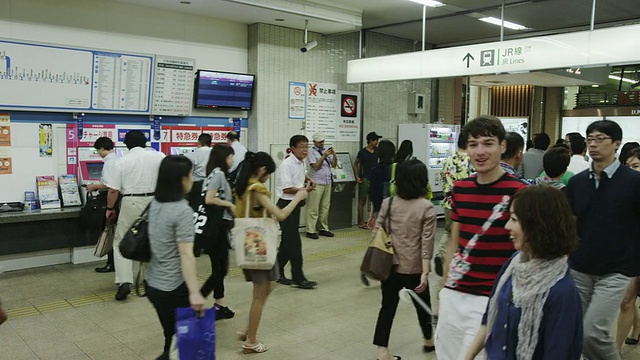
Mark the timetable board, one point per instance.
(48, 77)
(173, 86)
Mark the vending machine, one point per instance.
(432, 144)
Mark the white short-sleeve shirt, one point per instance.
(200, 158)
(108, 169)
(291, 174)
(239, 151)
(136, 172)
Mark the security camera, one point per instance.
(308, 46)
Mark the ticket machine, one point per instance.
(90, 166)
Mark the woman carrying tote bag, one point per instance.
(250, 191)
(413, 222)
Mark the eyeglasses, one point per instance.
(598, 139)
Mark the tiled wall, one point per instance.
(275, 58)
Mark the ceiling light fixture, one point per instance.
(430, 3)
(613, 77)
(507, 24)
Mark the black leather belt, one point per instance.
(141, 194)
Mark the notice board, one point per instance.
(48, 77)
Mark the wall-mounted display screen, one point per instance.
(223, 90)
(94, 171)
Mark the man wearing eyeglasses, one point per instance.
(290, 179)
(606, 202)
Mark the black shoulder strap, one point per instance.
(325, 159)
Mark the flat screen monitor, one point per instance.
(94, 170)
(223, 90)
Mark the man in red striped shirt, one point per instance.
(479, 244)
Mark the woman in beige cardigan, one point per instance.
(412, 224)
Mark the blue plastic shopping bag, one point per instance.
(195, 335)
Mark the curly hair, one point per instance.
(546, 220)
(485, 125)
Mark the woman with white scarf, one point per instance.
(535, 311)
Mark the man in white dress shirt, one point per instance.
(104, 147)
(578, 149)
(291, 178)
(199, 158)
(135, 178)
(239, 151)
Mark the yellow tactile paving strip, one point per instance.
(362, 235)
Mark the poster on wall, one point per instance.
(322, 110)
(45, 140)
(348, 124)
(297, 100)
(517, 125)
(6, 167)
(5, 144)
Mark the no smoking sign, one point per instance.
(349, 106)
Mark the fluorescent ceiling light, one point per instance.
(431, 3)
(613, 77)
(507, 24)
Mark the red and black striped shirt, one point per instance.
(481, 210)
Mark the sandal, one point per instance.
(257, 348)
(631, 341)
(395, 357)
(363, 226)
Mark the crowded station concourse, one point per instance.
(299, 179)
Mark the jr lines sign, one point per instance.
(578, 49)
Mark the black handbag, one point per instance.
(135, 243)
(92, 213)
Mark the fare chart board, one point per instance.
(173, 86)
(49, 77)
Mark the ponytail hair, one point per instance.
(249, 168)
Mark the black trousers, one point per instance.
(110, 259)
(291, 246)
(218, 254)
(165, 303)
(390, 299)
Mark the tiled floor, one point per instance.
(68, 312)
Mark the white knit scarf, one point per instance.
(532, 280)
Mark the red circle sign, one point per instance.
(349, 105)
(297, 90)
